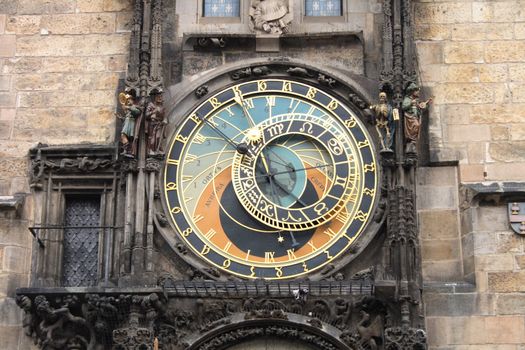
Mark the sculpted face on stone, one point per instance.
(270, 16)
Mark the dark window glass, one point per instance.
(80, 255)
(221, 8)
(323, 8)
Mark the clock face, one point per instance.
(270, 179)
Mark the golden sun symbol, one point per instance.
(254, 135)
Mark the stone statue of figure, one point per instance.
(155, 124)
(384, 117)
(132, 112)
(413, 110)
(270, 16)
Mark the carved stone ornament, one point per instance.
(517, 217)
(270, 16)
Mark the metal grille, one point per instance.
(221, 8)
(323, 8)
(80, 259)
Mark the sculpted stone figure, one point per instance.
(155, 124)
(270, 16)
(384, 117)
(132, 112)
(413, 110)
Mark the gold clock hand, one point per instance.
(242, 148)
(300, 169)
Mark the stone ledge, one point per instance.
(14, 202)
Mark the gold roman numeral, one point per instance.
(269, 257)
(291, 254)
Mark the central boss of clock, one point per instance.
(270, 179)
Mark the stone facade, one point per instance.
(62, 64)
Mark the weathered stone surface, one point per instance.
(10, 336)
(505, 51)
(510, 304)
(432, 32)
(124, 21)
(493, 73)
(517, 132)
(518, 92)
(90, 6)
(519, 30)
(442, 270)
(437, 176)
(500, 262)
(10, 313)
(516, 72)
(498, 113)
(23, 24)
(12, 167)
(471, 172)
(5, 129)
(118, 5)
(506, 281)
(438, 224)
(30, 7)
(462, 304)
(79, 23)
(463, 73)
(507, 171)
(499, 132)
(507, 151)
(8, 47)
(468, 133)
(463, 52)
(436, 197)
(512, 332)
(448, 12)
(430, 52)
(15, 259)
(435, 250)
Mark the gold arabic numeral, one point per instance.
(199, 139)
(363, 144)
(334, 146)
(237, 91)
(291, 254)
(320, 207)
(247, 255)
(330, 257)
(287, 86)
(342, 217)
(205, 250)
(270, 101)
(275, 129)
(333, 105)
(196, 119)
(214, 102)
(305, 267)
(186, 178)
(361, 216)
(279, 272)
(187, 232)
(173, 162)
(340, 181)
(226, 263)
(209, 235)
(331, 233)
(181, 138)
(369, 167)
(171, 186)
(261, 85)
(197, 218)
(312, 245)
(252, 270)
(227, 246)
(269, 257)
(350, 123)
(175, 210)
(311, 92)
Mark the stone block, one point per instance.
(437, 176)
(505, 329)
(499, 31)
(5, 82)
(436, 197)
(510, 304)
(462, 304)
(3, 19)
(73, 64)
(500, 262)
(432, 32)
(47, 82)
(51, 45)
(9, 282)
(10, 313)
(516, 72)
(520, 261)
(5, 129)
(8, 45)
(449, 12)
(482, 11)
(433, 73)
(435, 250)
(506, 11)
(471, 172)
(463, 52)
(430, 52)
(493, 73)
(491, 219)
(468, 31)
(7, 99)
(518, 92)
(99, 44)
(90, 6)
(464, 93)
(25, 25)
(31, 7)
(8, 6)
(462, 73)
(10, 337)
(7, 113)
(499, 132)
(124, 21)
(519, 31)
(505, 282)
(468, 133)
(507, 151)
(505, 51)
(438, 224)
(15, 259)
(118, 5)
(517, 132)
(442, 270)
(81, 23)
(498, 113)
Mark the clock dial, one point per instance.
(270, 179)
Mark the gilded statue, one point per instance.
(413, 110)
(132, 113)
(270, 16)
(155, 124)
(384, 117)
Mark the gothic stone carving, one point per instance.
(270, 16)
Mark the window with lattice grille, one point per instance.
(323, 8)
(221, 8)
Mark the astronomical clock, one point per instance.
(270, 179)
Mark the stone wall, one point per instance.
(60, 66)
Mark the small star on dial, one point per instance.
(280, 239)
